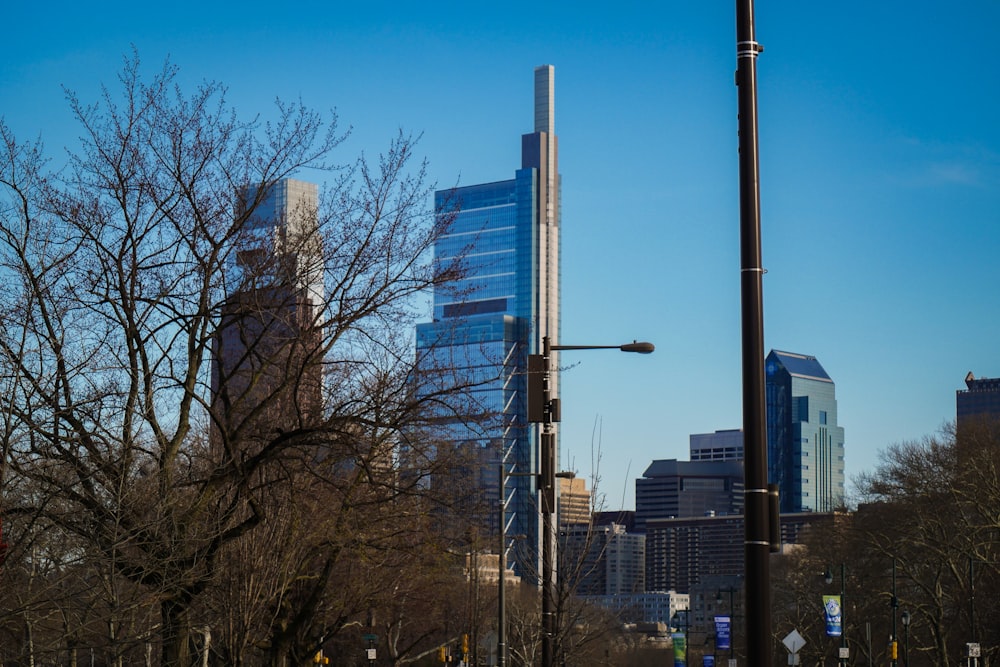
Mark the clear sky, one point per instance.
(880, 176)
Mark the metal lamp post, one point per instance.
(828, 577)
(684, 628)
(894, 605)
(544, 408)
(718, 601)
(906, 637)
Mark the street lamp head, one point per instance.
(828, 576)
(905, 618)
(639, 347)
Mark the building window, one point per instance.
(822, 416)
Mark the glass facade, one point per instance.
(805, 444)
(504, 237)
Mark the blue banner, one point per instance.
(723, 632)
(708, 661)
(834, 615)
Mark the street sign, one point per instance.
(844, 653)
(371, 638)
(973, 650)
(793, 641)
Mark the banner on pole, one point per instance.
(834, 615)
(680, 644)
(723, 632)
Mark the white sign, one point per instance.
(793, 641)
(371, 653)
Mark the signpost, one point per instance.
(794, 642)
(370, 651)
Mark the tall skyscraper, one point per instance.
(266, 370)
(506, 236)
(979, 401)
(805, 445)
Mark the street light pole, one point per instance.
(732, 622)
(502, 569)
(828, 577)
(905, 618)
(686, 619)
(544, 408)
(757, 531)
(894, 604)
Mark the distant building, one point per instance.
(484, 568)
(687, 553)
(980, 400)
(266, 361)
(670, 488)
(719, 446)
(603, 560)
(505, 237)
(805, 444)
(574, 501)
(649, 607)
(624, 518)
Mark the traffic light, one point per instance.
(320, 659)
(894, 649)
(442, 654)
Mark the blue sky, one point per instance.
(880, 176)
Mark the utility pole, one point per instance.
(757, 542)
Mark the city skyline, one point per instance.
(879, 180)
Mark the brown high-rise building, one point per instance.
(267, 370)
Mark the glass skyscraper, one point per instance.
(805, 445)
(505, 235)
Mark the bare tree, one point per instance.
(924, 539)
(117, 273)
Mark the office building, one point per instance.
(266, 362)
(805, 444)
(670, 488)
(574, 501)
(505, 235)
(624, 518)
(719, 446)
(650, 607)
(687, 553)
(603, 560)
(979, 401)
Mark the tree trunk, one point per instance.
(176, 651)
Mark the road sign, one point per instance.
(793, 641)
